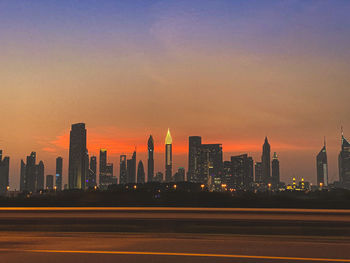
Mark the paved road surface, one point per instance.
(115, 247)
(76, 235)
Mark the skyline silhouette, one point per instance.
(113, 168)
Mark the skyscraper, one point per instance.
(131, 169)
(59, 168)
(49, 182)
(106, 171)
(140, 173)
(322, 167)
(210, 164)
(78, 157)
(275, 171)
(32, 175)
(122, 170)
(150, 163)
(92, 172)
(204, 161)
(30, 178)
(194, 144)
(40, 176)
(266, 162)
(344, 163)
(4, 173)
(242, 171)
(168, 157)
(22, 181)
(259, 172)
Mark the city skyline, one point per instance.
(230, 71)
(161, 154)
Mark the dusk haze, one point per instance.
(150, 130)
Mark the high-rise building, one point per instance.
(49, 182)
(259, 172)
(194, 144)
(275, 171)
(92, 172)
(344, 163)
(266, 162)
(140, 173)
(179, 176)
(40, 176)
(131, 169)
(22, 183)
(227, 174)
(122, 170)
(242, 171)
(59, 169)
(168, 157)
(78, 157)
(150, 163)
(322, 167)
(209, 163)
(204, 162)
(106, 171)
(32, 174)
(4, 173)
(249, 179)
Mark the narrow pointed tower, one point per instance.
(168, 157)
(322, 166)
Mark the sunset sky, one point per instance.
(232, 72)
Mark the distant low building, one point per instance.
(49, 182)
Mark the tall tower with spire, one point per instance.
(344, 162)
(168, 157)
(150, 167)
(266, 162)
(322, 166)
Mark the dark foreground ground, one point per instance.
(173, 234)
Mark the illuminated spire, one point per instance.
(275, 157)
(168, 139)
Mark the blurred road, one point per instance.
(115, 247)
(134, 234)
(184, 220)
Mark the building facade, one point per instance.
(78, 157)
(344, 163)
(4, 173)
(49, 182)
(131, 169)
(275, 171)
(168, 158)
(266, 162)
(322, 167)
(140, 173)
(194, 144)
(92, 182)
(59, 169)
(122, 170)
(150, 161)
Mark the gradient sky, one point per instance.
(230, 71)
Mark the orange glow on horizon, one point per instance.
(129, 141)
